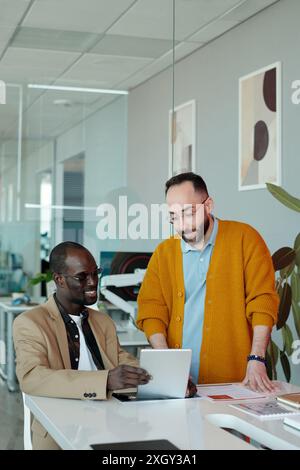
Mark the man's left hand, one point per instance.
(191, 390)
(257, 379)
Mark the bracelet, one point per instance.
(253, 357)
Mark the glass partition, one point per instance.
(67, 167)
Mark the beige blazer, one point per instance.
(43, 360)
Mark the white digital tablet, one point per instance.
(169, 368)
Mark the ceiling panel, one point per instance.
(21, 65)
(249, 8)
(11, 11)
(182, 50)
(54, 39)
(6, 33)
(154, 19)
(213, 30)
(101, 70)
(93, 16)
(132, 46)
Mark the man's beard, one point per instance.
(199, 234)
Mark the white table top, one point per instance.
(6, 305)
(189, 424)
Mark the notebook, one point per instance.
(290, 399)
(266, 410)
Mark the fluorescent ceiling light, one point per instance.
(75, 88)
(28, 205)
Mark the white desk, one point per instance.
(189, 424)
(8, 312)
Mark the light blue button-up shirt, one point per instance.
(195, 268)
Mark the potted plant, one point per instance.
(286, 263)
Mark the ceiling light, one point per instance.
(79, 89)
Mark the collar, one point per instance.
(186, 247)
(65, 316)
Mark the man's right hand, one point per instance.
(126, 377)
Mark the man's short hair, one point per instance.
(57, 260)
(198, 182)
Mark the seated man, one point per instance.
(66, 350)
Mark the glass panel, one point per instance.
(70, 155)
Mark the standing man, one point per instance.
(210, 288)
(67, 350)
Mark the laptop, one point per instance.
(169, 368)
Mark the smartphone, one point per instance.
(125, 396)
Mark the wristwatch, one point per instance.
(254, 357)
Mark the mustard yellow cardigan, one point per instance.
(240, 294)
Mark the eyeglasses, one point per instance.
(187, 213)
(83, 277)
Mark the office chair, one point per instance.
(27, 426)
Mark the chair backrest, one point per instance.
(27, 426)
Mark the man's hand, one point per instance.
(257, 378)
(191, 389)
(126, 377)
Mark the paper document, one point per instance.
(266, 410)
(228, 392)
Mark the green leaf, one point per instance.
(297, 250)
(41, 277)
(296, 315)
(271, 373)
(287, 337)
(284, 306)
(273, 351)
(295, 284)
(286, 272)
(285, 366)
(283, 258)
(284, 197)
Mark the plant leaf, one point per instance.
(269, 367)
(41, 277)
(284, 197)
(285, 366)
(296, 315)
(283, 258)
(297, 250)
(295, 284)
(284, 306)
(286, 272)
(273, 351)
(287, 337)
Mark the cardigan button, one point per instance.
(178, 319)
(209, 302)
(180, 294)
(177, 346)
